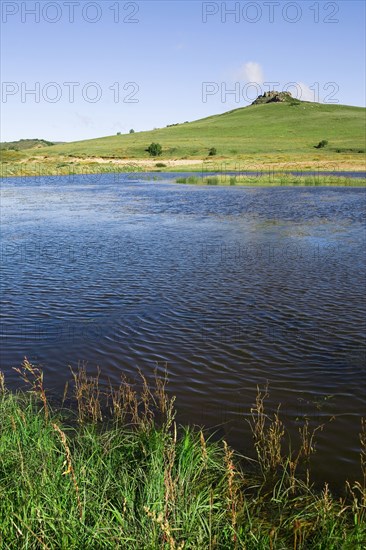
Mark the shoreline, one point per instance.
(259, 174)
(66, 165)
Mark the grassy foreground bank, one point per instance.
(119, 473)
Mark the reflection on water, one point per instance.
(228, 287)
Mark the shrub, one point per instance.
(154, 149)
(212, 152)
(118, 133)
(160, 165)
(132, 131)
(321, 144)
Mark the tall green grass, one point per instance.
(118, 473)
(274, 179)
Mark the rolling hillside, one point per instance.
(269, 132)
(23, 144)
(257, 129)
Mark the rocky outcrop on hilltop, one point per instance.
(273, 97)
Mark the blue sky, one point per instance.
(148, 64)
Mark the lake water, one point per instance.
(229, 287)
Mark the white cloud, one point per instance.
(251, 72)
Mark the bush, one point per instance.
(154, 149)
(118, 133)
(212, 152)
(321, 144)
(160, 165)
(132, 131)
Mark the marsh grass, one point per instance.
(275, 180)
(94, 171)
(117, 472)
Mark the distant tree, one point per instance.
(132, 131)
(212, 152)
(154, 149)
(118, 133)
(321, 144)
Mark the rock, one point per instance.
(273, 97)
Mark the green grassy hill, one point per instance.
(258, 129)
(269, 133)
(23, 144)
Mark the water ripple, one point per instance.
(228, 287)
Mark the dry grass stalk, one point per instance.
(66, 389)
(267, 439)
(126, 404)
(232, 496)
(203, 448)
(326, 502)
(275, 434)
(116, 403)
(147, 400)
(169, 482)
(163, 402)
(299, 534)
(307, 448)
(87, 394)
(358, 504)
(2, 382)
(268, 433)
(140, 409)
(34, 378)
(70, 470)
(358, 490)
(165, 528)
(41, 542)
(363, 452)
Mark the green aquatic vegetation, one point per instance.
(277, 179)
